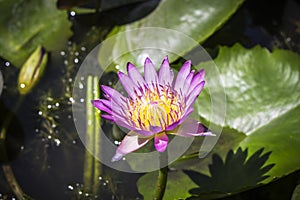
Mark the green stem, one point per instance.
(97, 149)
(10, 178)
(92, 167)
(162, 177)
(88, 163)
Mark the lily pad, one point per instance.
(27, 24)
(282, 137)
(193, 18)
(260, 86)
(263, 97)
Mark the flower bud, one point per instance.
(32, 70)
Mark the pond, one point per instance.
(56, 144)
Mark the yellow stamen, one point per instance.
(156, 107)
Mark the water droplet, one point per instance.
(22, 85)
(72, 100)
(49, 137)
(40, 112)
(49, 106)
(37, 130)
(100, 178)
(76, 53)
(80, 192)
(57, 142)
(76, 60)
(66, 62)
(22, 148)
(74, 142)
(81, 100)
(104, 184)
(80, 85)
(53, 125)
(70, 80)
(62, 53)
(70, 187)
(83, 49)
(72, 13)
(7, 64)
(118, 67)
(57, 104)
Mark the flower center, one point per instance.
(157, 106)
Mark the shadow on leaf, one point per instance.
(233, 174)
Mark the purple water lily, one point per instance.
(156, 105)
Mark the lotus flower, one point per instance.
(156, 106)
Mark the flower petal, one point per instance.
(165, 77)
(161, 142)
(135, 75)
(145, 132)
(130, 143)
(191, 127)
(99, 105)
(150, 72)
(186, 114)
(114, 95)
(198, 78)
(109, 117)
(193, 95)
(111, 107)
(153, 130)
(106, 103)
(172, 126)
(127, 84)
(187, 83)
(182, 74)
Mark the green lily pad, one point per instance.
(263, 96)
(27, 24)
(260, 86)
(281, 136)
(196, 19)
